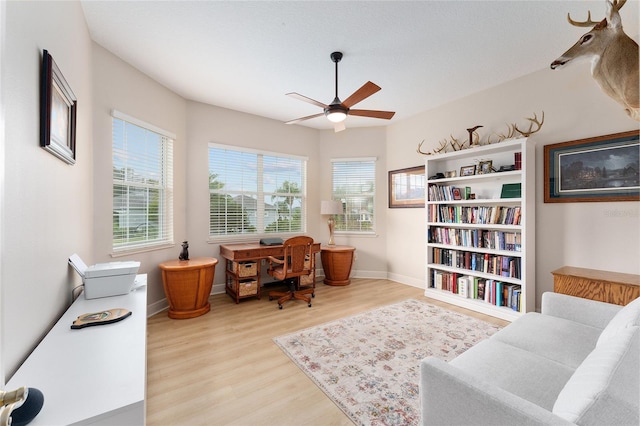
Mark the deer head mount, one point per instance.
(614, 57)
(474, 137)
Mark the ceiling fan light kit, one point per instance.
(337, 111)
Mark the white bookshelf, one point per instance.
(443, 217)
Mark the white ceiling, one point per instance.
(245, 55)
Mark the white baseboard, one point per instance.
(163, 305)
(402, 279)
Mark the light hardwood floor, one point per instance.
(223, 368)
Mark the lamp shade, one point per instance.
(331, 207)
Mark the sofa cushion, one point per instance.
(605, 387)
(527, 375)
(561, 340)
(629, 316)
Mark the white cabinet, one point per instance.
(95, 375)
(481, 228)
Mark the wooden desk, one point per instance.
(605, 286)
(242, 270)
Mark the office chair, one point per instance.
(297, 262)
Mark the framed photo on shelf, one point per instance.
(457, 194)
(603, 168)
(468, 170)
(57, 112)
(485, 167)
(407, 187)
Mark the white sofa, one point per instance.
(576, 362)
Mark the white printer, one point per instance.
(105, 279)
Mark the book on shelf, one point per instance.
(481, 288)
(506, 266)
(494, 292)
(478, 215)
(511, 190)
(517, 159)
(463, 285)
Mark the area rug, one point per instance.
(369, 363)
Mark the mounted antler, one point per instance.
(455, 144)
(421, 151)
(443, 147)
(589, 23)
(614, 58)
(533, 121)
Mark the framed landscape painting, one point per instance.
(406, 187)
(604, 168)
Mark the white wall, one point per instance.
(119, 86)
(205, 124)
(602, 235)
(47, 204)
(370, 255)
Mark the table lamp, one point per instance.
(331, 208)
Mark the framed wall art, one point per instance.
(603, 168)
(406, 187)
(58, 107)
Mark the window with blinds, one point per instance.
(142, 185)
(255, 192)
(354, 186)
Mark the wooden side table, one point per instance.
(187, 285)
(337, 262)
(611, 287)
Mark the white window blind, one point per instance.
(142, 185)
(354, 186)
(255, 192)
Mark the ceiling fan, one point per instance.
(337, 110)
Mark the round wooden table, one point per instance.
(187, 285)
(336, 263)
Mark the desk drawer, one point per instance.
(275, 252)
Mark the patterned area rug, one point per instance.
(369, 364)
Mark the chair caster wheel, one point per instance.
(313, 295)
(279, 306)
(309, 304)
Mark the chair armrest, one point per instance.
(585, 311)
(272, 259)
(450, 396)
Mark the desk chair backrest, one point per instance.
(297, 257)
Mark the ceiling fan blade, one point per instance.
(387, 115)
(362, 93)
(306, 99)
(338, 127)
(297, 120)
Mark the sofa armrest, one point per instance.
(589, 312)
(450, 396)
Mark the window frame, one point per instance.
(165, 189)
(260, 193)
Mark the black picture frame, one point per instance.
(58, 109)
(598, 169)
(407, 187)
